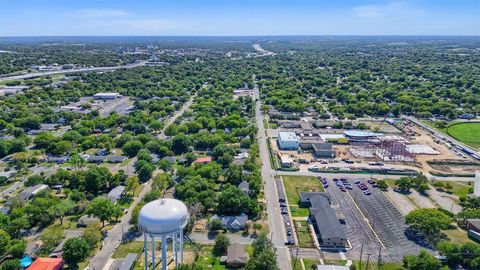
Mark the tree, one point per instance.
(263, 255)
(34, 180)
(145, 172)
(181, 143)
(103, 208)
(132, 185)
(382, 185)
(232, 200)
(17, 248)
(11, 265)
(93, 235)
(51, 237)
(131, 148)
(424, 261)
(403, 183)
(63, 208)
(75, 250)
(4, 241)
(221, 245)
(428, 221)
(216, 225)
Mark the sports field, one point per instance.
(468, 133)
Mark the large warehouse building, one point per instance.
(288, 141)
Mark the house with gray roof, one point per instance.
(29, 192)
(330, 231)
(244, 186)
(116, 193)
(233, 223)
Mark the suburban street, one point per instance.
(40, 74)
(175, 116)
(275, 220)
(114, 238)
(365, 175)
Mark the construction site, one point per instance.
(397, 146)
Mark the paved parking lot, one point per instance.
(371, 220)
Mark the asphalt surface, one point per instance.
(114, 237)
(359, 175)
(175, 116)
(40, 74)
(372, 221)
(275, 220)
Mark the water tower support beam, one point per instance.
(164, 252)
(181, 245)
(145, 250)
(153, 252)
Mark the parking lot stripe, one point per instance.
(368, 221)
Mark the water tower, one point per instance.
(166, 219)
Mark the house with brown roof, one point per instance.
(236, 255)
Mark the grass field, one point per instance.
(304, 236)
(296, 184)
(468, 133)
(458, 188)
(458, 236)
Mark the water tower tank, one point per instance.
(163, 216)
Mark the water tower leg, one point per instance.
(175, 248)
(145, 250)
(164, 252)
(181, 245)
(153, 252)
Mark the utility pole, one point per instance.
(368, 260)
(379, 260)
(361, 253)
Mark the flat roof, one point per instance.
(361, 133)
(287, 136)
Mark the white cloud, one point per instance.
(101, 12)
(144, 26)
(392, 9)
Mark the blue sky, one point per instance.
(239, 17)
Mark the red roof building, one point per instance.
(203, 160)
(46, 264)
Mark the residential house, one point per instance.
(233, 223)
(203, 160)
(244, 186)
(47, 264)
(29, 192)
(236, 255)
(116, 193)
(115, 159)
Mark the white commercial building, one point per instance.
(106, 96)
(288, 141)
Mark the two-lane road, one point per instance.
(275, 220)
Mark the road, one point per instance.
(440, 135)
(275, 220)
(114, 238)
(262, 51)
(40, 74)
(175, 116)
(360, 175)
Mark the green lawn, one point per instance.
(130, 247)
(299, 212)
(458, 188)
(304, 236)
(468, 133)
(458, 236)
(296, 184)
